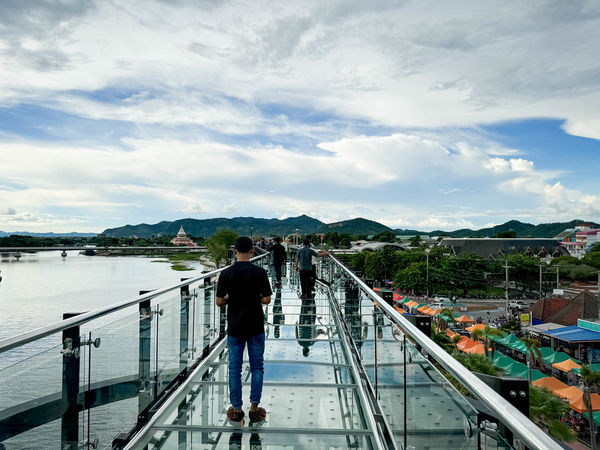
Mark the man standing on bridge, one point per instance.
(245, 288)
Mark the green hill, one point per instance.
(208, 227)
(354, 226)
(543, 230)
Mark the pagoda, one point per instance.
(182, 239)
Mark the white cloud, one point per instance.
(224, 85)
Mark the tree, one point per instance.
(218, 244)
(534, 354)
(455, 340)
(506, 234)
(385, 236)
(445, 313)
(485, 333)
(546, 410)
(590, 379)
(416, 241)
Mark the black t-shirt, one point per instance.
(245, 284)
(278, 254)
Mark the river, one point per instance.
(39, 287)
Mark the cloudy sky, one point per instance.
(416, 114)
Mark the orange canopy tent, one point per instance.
(579, 405)
(550, 383)
(422, 308)
(400, 310)
(464, 319)
(428, 311)
(477, 349)
(567, 365)
(570, 393)
(411, 304)
(397, 297)
(465, 343)
(479, 326)
(450, 333)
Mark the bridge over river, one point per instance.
(343, 369)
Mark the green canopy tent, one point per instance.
(551, 357)
(596, 417)
(513, 342)
(594, 367)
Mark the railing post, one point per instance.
(184, 327)
(145, 328)
(69, 427)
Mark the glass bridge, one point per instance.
(342, 370)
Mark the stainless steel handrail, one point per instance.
(527, 431)
(38, 333)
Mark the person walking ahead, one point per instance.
(244, 287)
(304, 265)
(278, 257)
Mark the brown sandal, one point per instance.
(235, 416)
(257, 416)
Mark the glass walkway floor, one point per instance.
(314, 390)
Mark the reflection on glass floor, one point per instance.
(309, 391)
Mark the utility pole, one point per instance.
(598, 285)
(506, 287)
(427, 256)
(540, 281)
(557, 276)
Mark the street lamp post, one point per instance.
(427, 285)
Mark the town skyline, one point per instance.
(418, 115)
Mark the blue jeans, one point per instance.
(256, 349)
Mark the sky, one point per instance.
(417, 114)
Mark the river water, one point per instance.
(39, 287)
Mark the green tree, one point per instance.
(546, 410)
(485, 333)
(455, 340)
(592, 258)
(506, 234)
(357, 261)
(445, 315)
(218, 244)
(385, 236)
(478, 363)
(416, 241)
(590, 379)
(533, 353)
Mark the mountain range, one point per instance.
(308, 225)
(49, 234)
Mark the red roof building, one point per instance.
(547, 307)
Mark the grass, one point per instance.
(180, 267)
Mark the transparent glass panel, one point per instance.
(228, 439)
(431, 411)
(37, 377)
(41, 437)
(170, 360)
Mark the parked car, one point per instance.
(517, 304)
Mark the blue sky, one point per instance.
(415, 114)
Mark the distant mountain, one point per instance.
(543, 230)
(208, 227)
(51, 235)
(354, 226)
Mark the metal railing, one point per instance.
(525, 431)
